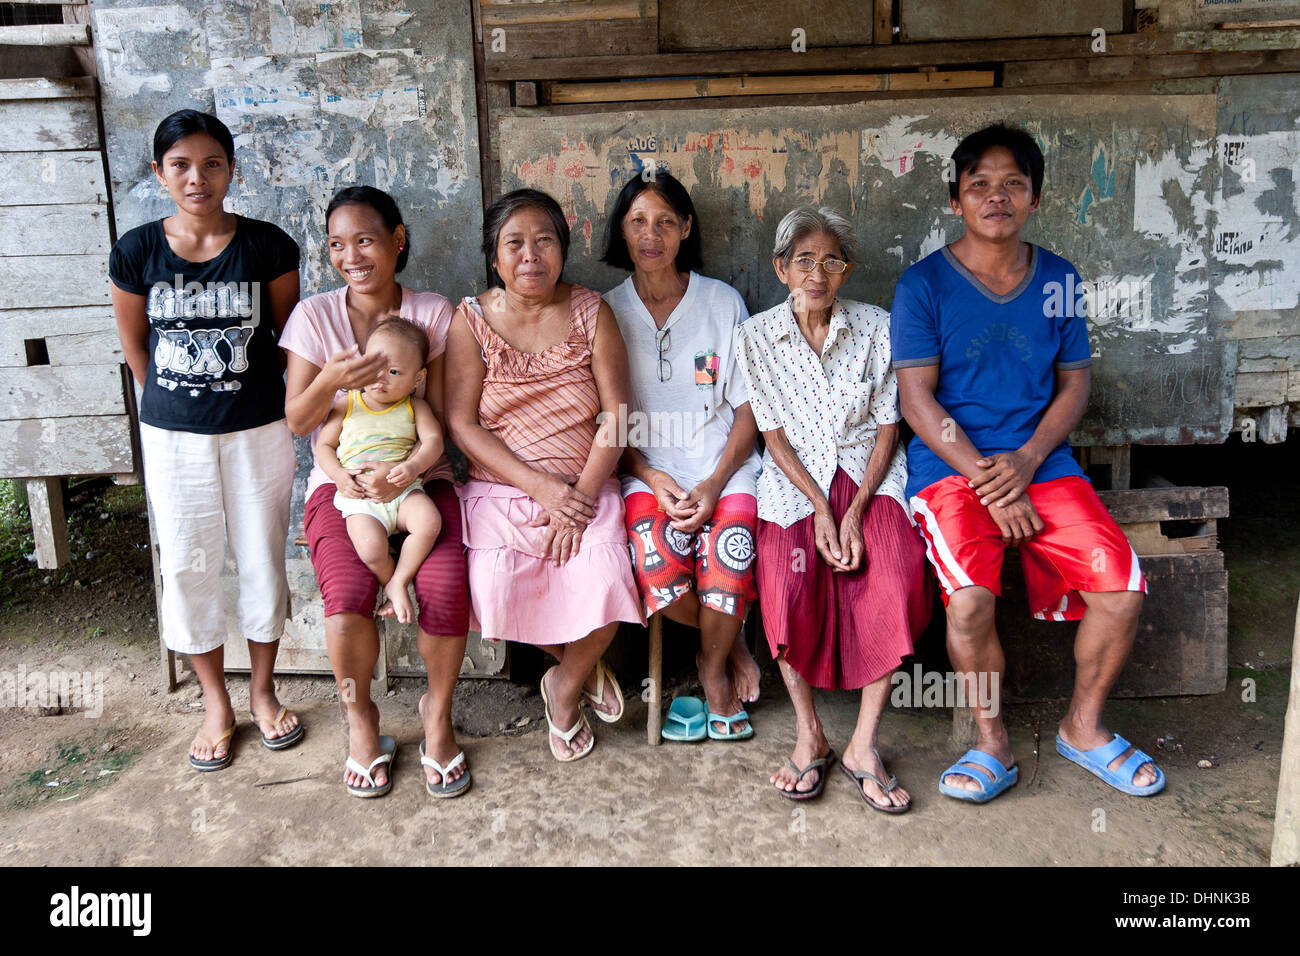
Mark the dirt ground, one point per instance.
(115, 789)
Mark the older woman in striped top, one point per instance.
(532, 364)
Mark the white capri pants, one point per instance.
(205, 489)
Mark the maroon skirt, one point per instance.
(843, 630)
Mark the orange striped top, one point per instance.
(542, 405)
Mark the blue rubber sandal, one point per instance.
(1098, 760)
(727, 722)
(685, 721)
(1003, 778)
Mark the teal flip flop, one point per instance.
(735, 718)
(1098, 760)
(685, 722)
(1004, 778)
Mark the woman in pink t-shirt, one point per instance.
(368, 245)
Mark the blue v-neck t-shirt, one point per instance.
(997, 354)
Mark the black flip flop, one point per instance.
(284, 741)
(821, 764)
(857, 776)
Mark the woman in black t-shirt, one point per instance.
(201, 297)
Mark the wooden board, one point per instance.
(47, 391)
(17, 326)
(1165, 504)
(45, 281)
(46, 34)
(975, 19)
(96, 445)
(549, 28)
(655, 90)
(48, 88)
(687, 25)
(1181, 645)
(32, 179)
(80, 229)
(34, 125)
(84, 348)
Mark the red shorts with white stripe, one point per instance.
(1080, 548)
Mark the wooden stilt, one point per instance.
(653, 717)
(1286, 818)
(49, 525)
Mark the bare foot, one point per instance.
(440, 744)
(1091, 739)
(565, 713)
(718, 687)
(810, 745)
(363, 747)
(868, 759)
(743, 669)
(400, 601)
(216, 721)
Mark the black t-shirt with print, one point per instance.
(213, 362)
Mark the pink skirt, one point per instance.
(519, 595)
(843, 630)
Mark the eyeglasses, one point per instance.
(832, 265)
(664, 340)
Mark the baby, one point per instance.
(385, 428)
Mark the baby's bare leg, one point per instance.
(371, 541)
(418, 516)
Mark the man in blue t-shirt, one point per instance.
(991, 347)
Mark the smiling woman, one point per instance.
(325, 339)
(536, 362)
(200, 298)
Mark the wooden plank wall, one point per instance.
(64, 405)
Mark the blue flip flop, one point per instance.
(735, 718)
(1003, 778)
(1098, 760)
(685, 722)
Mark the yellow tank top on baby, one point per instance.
(376, 436)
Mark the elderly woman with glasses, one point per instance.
(841, 569)
(691, 465)
(536, 377)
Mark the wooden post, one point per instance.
(653, 717)
(965, 731)
(167, 655)
(49, 525)
(1286, 818)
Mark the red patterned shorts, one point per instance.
(716, 562)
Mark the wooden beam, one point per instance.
(510, 14)
(880, 57)
(49, 525)
(80, 230)
(47, 89)
(52, 178)
(1166, 504)
(46, 34)
(883, 21)
(1286, 818)
(1070, 72)
(48, 447)
(35, 125)
(30, 281)
(68, 391)
(560, 93)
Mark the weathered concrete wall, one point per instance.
(1130, 181)
(319, 96)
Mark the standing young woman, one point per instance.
(200, 298)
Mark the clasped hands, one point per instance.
(1001, 485)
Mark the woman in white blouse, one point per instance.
(841, 569)
(691, 459)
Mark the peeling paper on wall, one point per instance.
(122, 34)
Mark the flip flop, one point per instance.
(441, 790)
(1098, 759)
(859, 775)
(821, 764)
(565, 735)
(603, 672)
(284, 741)
(216, 763)
(728, 721)
(387, 750)
(685, 721)
(1004, 778)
